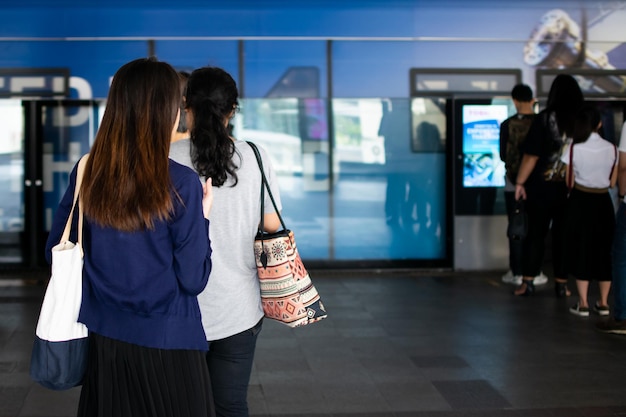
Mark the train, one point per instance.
(362, 106)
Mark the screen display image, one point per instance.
(482, 166)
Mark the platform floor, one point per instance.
(396, 343)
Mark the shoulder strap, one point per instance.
(264, 186)
(79, 180)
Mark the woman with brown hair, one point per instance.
(147, 256)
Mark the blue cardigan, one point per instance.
(142, 287)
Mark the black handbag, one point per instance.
(518, 223)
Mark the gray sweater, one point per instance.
(231, 301)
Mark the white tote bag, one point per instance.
(59, 356)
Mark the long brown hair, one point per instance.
(126, 183)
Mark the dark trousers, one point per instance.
(515, 245)
(546, 210)
(619, 265)
(230, 365)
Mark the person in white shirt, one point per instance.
(590, 215)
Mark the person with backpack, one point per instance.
(512, 134)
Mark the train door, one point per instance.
(41, 142)
(475, 102)
(12, 184)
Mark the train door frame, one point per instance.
(475, 240)
(38, 153)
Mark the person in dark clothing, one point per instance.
(513, 132)
(541, 182)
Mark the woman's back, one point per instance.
(235, 216)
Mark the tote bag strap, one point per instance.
(68, 225)
(265, 185)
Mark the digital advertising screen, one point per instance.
(481, 145)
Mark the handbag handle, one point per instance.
(264, 185)
(68, 225)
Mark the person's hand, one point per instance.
(207, 197)
(520, 192)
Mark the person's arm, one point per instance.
(504, 139)
(566, 158)
(271, 222)
(207, 197)
(189, 229)
(570, 178)
(528, 165)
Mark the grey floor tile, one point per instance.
(41, 402)
(400, 344)
(475, 394)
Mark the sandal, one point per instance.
(525, 289)
(561, 290)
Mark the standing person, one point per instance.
(231, 303)
(146, 256)
(541, 182)
(182, 130)
(513, 131)
(590, 218)
(617, 323)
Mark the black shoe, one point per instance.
(560, 290)
(612, 326)
(525, 289)
(601, 310)
(579, 311)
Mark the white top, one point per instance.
(231, 301)
(593, 161)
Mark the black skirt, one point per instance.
(590, 224)
(127, 380)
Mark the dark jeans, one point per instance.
(230, 366)
(618, 287)
(515, 246)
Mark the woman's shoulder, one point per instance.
(180, 172)
(244, 148)
(597, 140)
(244, 145)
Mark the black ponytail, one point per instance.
(212, 97)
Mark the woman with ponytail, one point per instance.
(231, 308)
